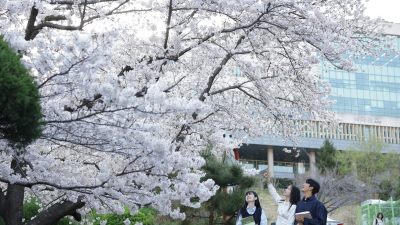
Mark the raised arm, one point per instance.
(272, 190)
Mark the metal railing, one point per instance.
(390, 210)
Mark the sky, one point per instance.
(387, 9)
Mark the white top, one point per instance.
(251, 212)
(285, 216)
(378, 222)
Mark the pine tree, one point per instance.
(224, 204)
(20, 111)
(326, 156)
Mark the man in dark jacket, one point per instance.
(310, 203)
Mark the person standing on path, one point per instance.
(312, 204)
(379, 220)
(252, 208)
(287, 206)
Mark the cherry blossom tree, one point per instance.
(133, 90)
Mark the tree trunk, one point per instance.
(14, 205)
(11, 204)
(211, 218)
(2, 204)
(14, 200)
(58, 211)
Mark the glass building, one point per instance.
(369, 105)
(374, 90)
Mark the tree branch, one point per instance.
(31, 184)
(101, 112)
(30, 27)
(237, 86)
(170, 88)
(83, 15)
(55, 2)
(213, 76)
(63, 73)
(206, 38)
(134, 171)
(55, 18)
(202, 120)
(58, 211)
(168, 23)
(35, 30)
(208, 10)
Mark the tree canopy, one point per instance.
(372, 160)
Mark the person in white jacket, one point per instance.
(287, 206)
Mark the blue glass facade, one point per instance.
(373, 90)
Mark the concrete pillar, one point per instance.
(271, 162)
(313, 167)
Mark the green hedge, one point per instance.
(31, 209)
(145, 216)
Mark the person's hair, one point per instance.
(313, 184)
(377, 216)
(294, 196)
(313, 190)
(256, 203)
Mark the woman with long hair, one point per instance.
(287, 206)
(252, 208)
(379, 219)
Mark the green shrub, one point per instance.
(64, 221)
(147, 210)
(386, 187)
(31, 209)
(145, 216)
